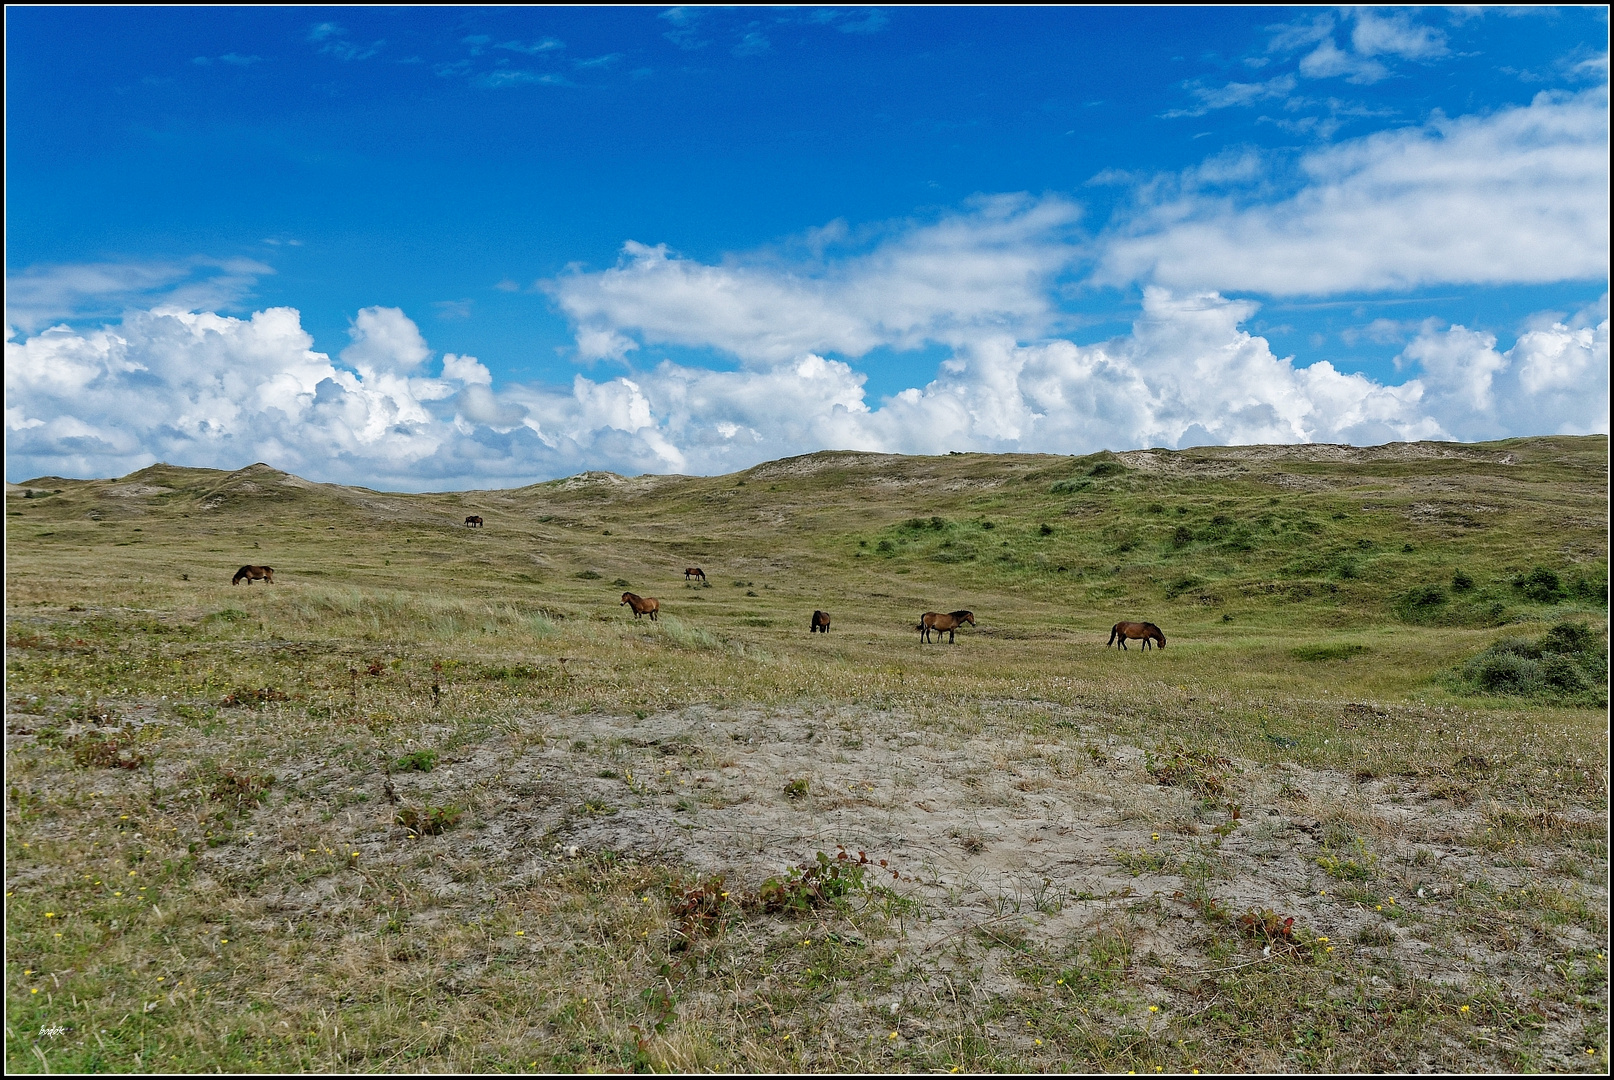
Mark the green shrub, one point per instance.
(1182, 585)
(1461, 582)
(1570, 638)
(1569, 662)
(1421, 604)
(1540, 585)
(1592, 587)
(1107, 468)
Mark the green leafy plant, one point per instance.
(419, 761)
(816, 884)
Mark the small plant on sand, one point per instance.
(1176, 765)
(98, 750)
(1279, 935)
(1356, 864)
(429, 820)
(240, 790)
(419, 761)
(807, 886)
(1141, 862)
(701, 909)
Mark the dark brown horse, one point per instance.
(1148, 631)
(641, 605)
(694, 572)
(254, 573)
(474, 520)
(820, 622)
(949, 623)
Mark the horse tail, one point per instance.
(1114, 630)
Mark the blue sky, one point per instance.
(682, 239)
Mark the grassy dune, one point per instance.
(435, 800)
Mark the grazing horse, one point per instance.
(641, 605)
(474, 520)
(820, 622)
(254, 573)
(694, 572)
(1148, 631)
(932, 620)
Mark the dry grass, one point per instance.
(435, 802)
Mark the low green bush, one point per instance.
(1569, 663)
(1540, 585)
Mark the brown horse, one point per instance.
(938, 622)
(254, 573)
(694, 572)
(474, 520)
(820, 622)
(1146, 630)
(641, 605)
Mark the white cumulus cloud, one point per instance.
(990, 266)
(209, 390)
(1518, 196)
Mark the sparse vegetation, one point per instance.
(228, 848)
(418, 761)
